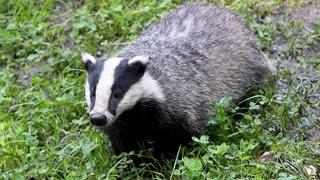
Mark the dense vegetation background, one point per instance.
(44, 127)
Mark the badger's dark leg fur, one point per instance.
(148, 125)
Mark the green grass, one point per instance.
(44, 127)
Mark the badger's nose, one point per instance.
(98, 119)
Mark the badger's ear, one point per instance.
(88, 60)
(139, 64)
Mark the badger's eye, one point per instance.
(93, 94)
(116, 95)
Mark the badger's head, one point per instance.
(116, 85)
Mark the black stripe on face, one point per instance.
(94, 73)
(124, 77)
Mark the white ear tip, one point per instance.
(142, 59)
(88, 57)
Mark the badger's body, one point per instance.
(158, 91)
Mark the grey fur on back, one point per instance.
(200, 54)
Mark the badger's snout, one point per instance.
(98, 119)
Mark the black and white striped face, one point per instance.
(116, 85)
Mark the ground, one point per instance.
(305, 74)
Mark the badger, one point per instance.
(157, 92)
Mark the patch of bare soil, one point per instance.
(303, 63)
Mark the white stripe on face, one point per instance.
(103, 88)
